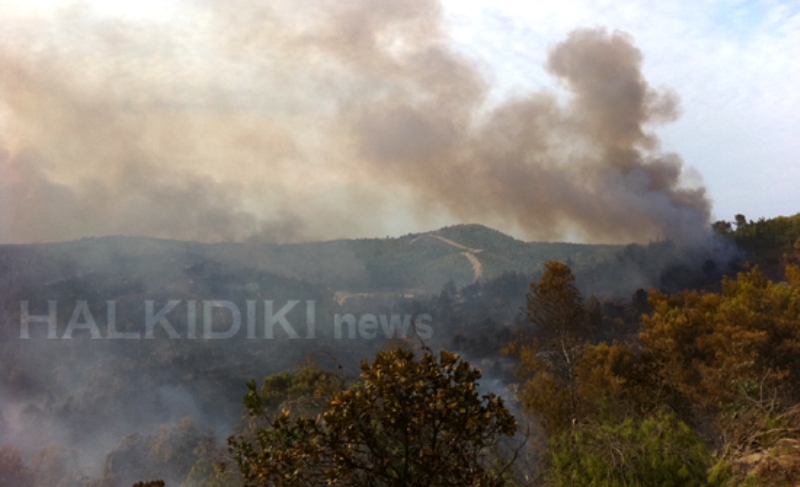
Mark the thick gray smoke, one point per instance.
(237, 120)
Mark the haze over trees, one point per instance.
(666, 356)
(691, 383)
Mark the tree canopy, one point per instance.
(550, 352)
(405, 422)
(712, 380)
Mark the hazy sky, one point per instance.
(234, 120)
(734, 64)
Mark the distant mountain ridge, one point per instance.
(88, 393)
(423, 262)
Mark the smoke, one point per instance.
(239, 120)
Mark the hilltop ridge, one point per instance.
(422, 261)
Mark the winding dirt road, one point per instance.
(469, 253)
(477, 267)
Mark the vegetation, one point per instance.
(548, 361)
(768, 243)
(658, 450)
(692, 383)
(407, 422)
(709, 370)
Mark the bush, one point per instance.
(656, 451)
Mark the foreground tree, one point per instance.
(407, 422)
(550, 353)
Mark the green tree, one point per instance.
(741, 221)
(767, 243)
(406, 422)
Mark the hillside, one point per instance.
(206, 318)
(55, 387)
(422, 262)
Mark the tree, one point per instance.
(406, 422)
(722, 227)
(741, 221)
(793, 257)
(306, 391)
(549, 359)
(732, 348)
(728, 364)
(767, 243)
(735, 356)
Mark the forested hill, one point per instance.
(416, 264)
(104, 396)
(86, 405)
(767, 243)
(423, 262)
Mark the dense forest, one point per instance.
(455, 357)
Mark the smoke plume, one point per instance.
(240, 120)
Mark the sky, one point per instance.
(734, 65)
(601, 121)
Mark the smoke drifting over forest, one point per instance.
(234, 120)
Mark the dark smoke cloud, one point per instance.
(262, 121)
